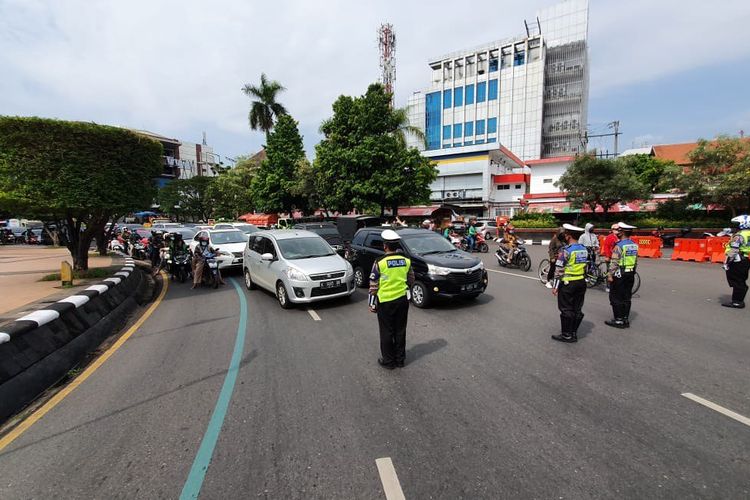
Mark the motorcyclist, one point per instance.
(472, 235)
(509, 242)
(125, 239)
(155, 244)
(199, 261)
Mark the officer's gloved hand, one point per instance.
(725, 266)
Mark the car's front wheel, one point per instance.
(359, 277)
(282, 296)
(420, 295)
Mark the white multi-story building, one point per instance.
(498, 109)
(184, 160)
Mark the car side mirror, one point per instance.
(267, 256)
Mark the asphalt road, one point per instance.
(488, 405)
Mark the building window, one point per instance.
(492, 90)
(506, 60)
(480, 127)
(492, 126)
(479, 141)
(432, 120)
(502, 187)
(481, 91)
(446, 132)
(547, 181)
(447, 98)
(456, 144)
(468, 143)
(481, 63)
(493, 61)
(458, 94)
(447, 145)
(518, 186)
(520, 56)
(457, 131)
(491, 139)
(459, 70)
(469, 129)
(470, 68)
(469, 94)
(447, 71)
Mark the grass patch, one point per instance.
(93, 273)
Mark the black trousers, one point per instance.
(737, 279)
(551, 272)
(392, 318)
(620, 294)
(570, 302)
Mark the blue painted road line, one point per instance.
(194, 482)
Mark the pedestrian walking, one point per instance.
(737, 262)
(621, 275)
(390, 281)
(569, 284)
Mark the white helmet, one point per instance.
(390, 235)
(743, 220)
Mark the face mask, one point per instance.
(204, 243)
(561, 237)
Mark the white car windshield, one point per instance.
(228, 237)
(304, 248)
(424, 244)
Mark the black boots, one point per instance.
(618, 323)
(568, 337)
(734, 305)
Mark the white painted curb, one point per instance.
(41, 317)
(76, 300)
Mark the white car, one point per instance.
(230, 243)
(487, 228)
(299, 267)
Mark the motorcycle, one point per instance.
(139, 250)
(179, 266)
(521, 259)
(212, 266)
(7, 237)
(668, 239)
(481, 244)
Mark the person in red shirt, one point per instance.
(609, 243)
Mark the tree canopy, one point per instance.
(720, 174)
(363, 160)
(192, 197)
(655, 174)
(592, 182)
(265, 110)
(78, 174)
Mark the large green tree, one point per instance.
(655, 174)
(274, 187)
(720, 174)
(593, 182)
(80, 175)
(265, 109)
(363, 160)
(231, 190)
(189, 198)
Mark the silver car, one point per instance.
(300, 267)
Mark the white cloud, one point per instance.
(177, 67)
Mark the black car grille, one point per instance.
(321, 292)
(328, 276)
(237, 254)
(464, 278)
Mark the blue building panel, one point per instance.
(447, 98)
(481, 91)
(469, 93)
(433, 117)
(458, 96)
(492, 91)
(492, 126)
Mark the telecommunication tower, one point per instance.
(387, 45)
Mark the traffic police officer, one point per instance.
(390, 283)
(737, 262)
(569, 284)
(621, 275)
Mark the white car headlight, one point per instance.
(349, 268)
(437, 270)
(295, 274)
(481, 265)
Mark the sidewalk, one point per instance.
(21, 268)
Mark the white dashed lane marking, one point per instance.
(313, 314)
(391, 486)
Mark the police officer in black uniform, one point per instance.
(569, 284)
(390, 282)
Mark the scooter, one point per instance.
(481, 244)
(521, 259)
(179, 266)
(212, 276)
(138, 249)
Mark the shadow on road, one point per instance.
(424, 349)
(245, 360)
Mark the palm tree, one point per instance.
(404, 128)
(264, 110)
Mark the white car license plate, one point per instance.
(330, 284)
(472, 286)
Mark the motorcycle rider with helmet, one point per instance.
(509, 242)
(199, 261)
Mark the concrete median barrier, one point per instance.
(39, 349)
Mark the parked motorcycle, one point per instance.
(521, 259)
(179, 266)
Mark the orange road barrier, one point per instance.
(679, 249)
(697, 250)
(649, 246)
(715, 248)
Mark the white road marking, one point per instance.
(514, 274)
(388, 477)
(724, 411)
(314, 315)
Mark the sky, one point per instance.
(668, 70)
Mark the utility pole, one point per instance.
(613, 125)
(616, 125)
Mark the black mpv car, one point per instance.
(440, 269)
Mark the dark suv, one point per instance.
(328, 231)
(440, 269)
